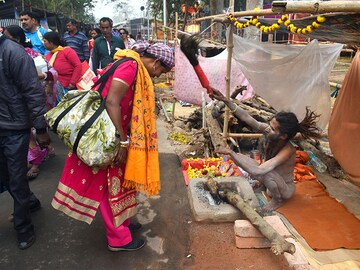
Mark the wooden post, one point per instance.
(230, 46)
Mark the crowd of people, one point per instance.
(29, 88)
(38, 68)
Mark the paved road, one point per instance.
(65, 243)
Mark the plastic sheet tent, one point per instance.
(187, 86)
(289, 77)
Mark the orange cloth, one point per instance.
(344, 124)
(324, 223)
(303, 172)
(142, 166)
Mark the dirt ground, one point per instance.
(213, 247)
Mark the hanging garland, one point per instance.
(284, 20)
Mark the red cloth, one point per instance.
(82, 188)
(303, 172)
(68, 66)
(324, 223)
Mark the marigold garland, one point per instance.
(284, 20)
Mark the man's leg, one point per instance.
(15, 149)
(278, 189)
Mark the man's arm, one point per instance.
(240, 113)
(23, 70)
(95, 57)
(252, 166)
(85, 48)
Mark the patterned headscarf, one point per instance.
(160, 51)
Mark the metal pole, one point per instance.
(165, 20)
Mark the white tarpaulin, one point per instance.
(289, 77)
(187, 86)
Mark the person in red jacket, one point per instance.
(65, 61)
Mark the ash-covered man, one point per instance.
(276, 173)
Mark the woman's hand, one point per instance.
(223, 150)
(120, 156)
(217, 95)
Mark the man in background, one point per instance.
(30, 22)
(77, 40)
(106, 45)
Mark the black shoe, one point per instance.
(135, 244)
(135, 227)
(27, 242)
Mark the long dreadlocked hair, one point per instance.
(290, 125)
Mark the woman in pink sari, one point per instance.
(130, 105)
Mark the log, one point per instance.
(278, 244)
(214, 128)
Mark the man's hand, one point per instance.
(217, 95)
(43, 139)
(120, 156)
(223, 150)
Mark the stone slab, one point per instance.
(296, 260)
(204, 208)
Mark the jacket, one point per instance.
(22, 99)
(101, 56)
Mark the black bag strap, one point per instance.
(104, 78)
(88, 124)
(61, 115)
(102, 106)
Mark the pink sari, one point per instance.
(82, 188)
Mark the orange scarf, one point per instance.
(142, 166)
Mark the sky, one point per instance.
(102, 10)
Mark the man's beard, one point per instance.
(268, 145)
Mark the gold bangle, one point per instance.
(124, 145)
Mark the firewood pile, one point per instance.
(202, 141)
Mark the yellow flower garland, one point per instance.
(283, 20)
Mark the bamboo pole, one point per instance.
(244, 135)
(315, 7)
(230, 46)
(279, 7)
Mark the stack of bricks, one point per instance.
(247, 236)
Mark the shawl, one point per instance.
(55, 52)
(142, 166)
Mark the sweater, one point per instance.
(68, 66)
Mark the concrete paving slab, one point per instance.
(204, 208)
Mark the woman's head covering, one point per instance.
(158, 50)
